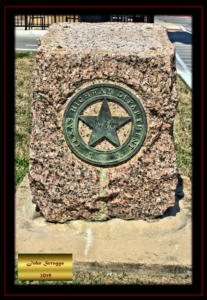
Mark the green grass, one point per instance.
(21, 166)
(22, 54)
(23, 119)
(183, 129)
(111, 278)
(89, 278)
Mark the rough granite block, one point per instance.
(88, 167)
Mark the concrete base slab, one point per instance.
(161, 246)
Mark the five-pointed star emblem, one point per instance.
(104, 125)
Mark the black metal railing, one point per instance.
(19, 21)
(132, 18)
(44, 21)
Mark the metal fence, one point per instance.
(44, 21)
(132, 18)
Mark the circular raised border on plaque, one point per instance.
(106, 92)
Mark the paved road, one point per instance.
(27, 40)
(183, 21)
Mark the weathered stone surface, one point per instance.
(138, 57)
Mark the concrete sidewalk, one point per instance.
(157, 248)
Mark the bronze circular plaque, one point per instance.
(104, 125)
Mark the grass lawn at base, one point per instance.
(182, 130)
(112, 278)
(24, 63)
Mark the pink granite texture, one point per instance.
(139, 57)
